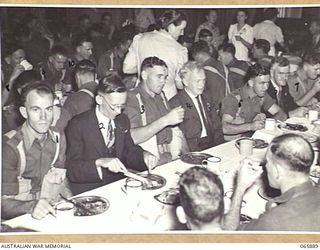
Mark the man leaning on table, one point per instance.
(201, 124)
(99, 143)
(153, 122)
(289, 158)
(242, 110)
(202, 198)
(33, 160)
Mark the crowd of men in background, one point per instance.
(141, 96)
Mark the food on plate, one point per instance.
(293, 127)
(195, 157)
(257, 143)
(169, 197)
(90, 205)
(153, 181)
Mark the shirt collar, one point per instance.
(192, 96)
(29, 138)
(102, 118)
(268, 21)
(291, 193)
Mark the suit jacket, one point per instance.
(191, 125)
(85, 145)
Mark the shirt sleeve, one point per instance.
(268, 102)
(9, 171)
(130, 63)
(249, 34)
(279, 35)
(132, 110)
(230, 106)
(230, 32)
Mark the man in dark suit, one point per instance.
(201, 124)
(99, 144)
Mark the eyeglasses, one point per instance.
(114, 107)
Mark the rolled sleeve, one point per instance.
(230, 106)
(268, 102)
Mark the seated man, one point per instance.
(304, 86)
(99, 144)
(217, 84)
(289, 158)
(201, 124)
(55, 70)
(83, 50)
(150, 117)
(278, 88)
(202, 198)
(82, 100)
(241, 111)
(33, 156)
(260, 53)
(237, 69)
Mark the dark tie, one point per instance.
(205, 121)
(110, 135)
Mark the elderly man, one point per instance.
(33, 158)
(278, 88)
(289, 158)
(55, 70)
(242, 110)
(217, 84)
(82, 100)
(202, 198)
(201, 124)
(304, 86)
(150, 117)
(99, 141)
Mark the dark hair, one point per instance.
(85, 66)
(262, 44)
(9, 48)
(150, 62)
(312, 59)
(246, 12)
(270, 13)
(208, 13)
(200, 47)
(41, 88)
(256, 70)
(78, 41)
(294, 150)
(280, 61)
(58, 50)
(111, 84)
(205, 33)
(171, 16)
(83, 17)
(228, 47)
(124, 37)
(201, 195)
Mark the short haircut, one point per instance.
(262, 44)
(85, 66)
(228, 47)
(171, 17)
(200, 47)
(313, 59)
(188, 67)
(83, 17)
(208, 13)
(150, 62)
(245, 11)
(295, 151)
(280, 61)
(111, 84)
(41, 88)
(205, 33)
(270, 13)
(201, 195)
(78, 41)
(58, 50)
(256, 70)
(124, 37)
(8, 49)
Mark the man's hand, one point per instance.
(248, 173)
(260, 117)
(112, 164)
(150, 160)
(316, 86)
(41, 209)
(18, 69)
(175, 116)
(256, 125)
(299, 112)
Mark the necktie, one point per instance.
(110, 135)
(203, 115)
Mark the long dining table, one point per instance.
(151, 215)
